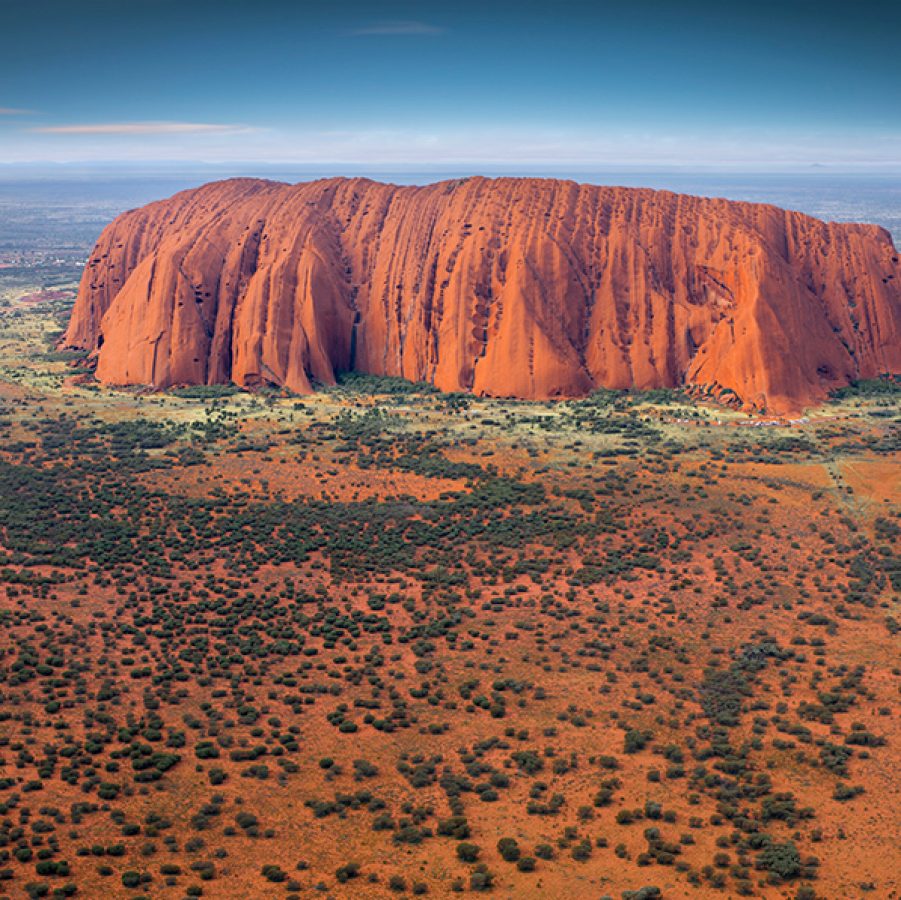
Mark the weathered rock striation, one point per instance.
(530, 288)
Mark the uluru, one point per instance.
(510, 287)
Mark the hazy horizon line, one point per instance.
(494, 167)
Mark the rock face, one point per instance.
(527, 288)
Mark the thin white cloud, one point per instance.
(508, 146)
(12, 111)
(144, 128)
(402, 27)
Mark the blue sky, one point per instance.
(500, 84)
